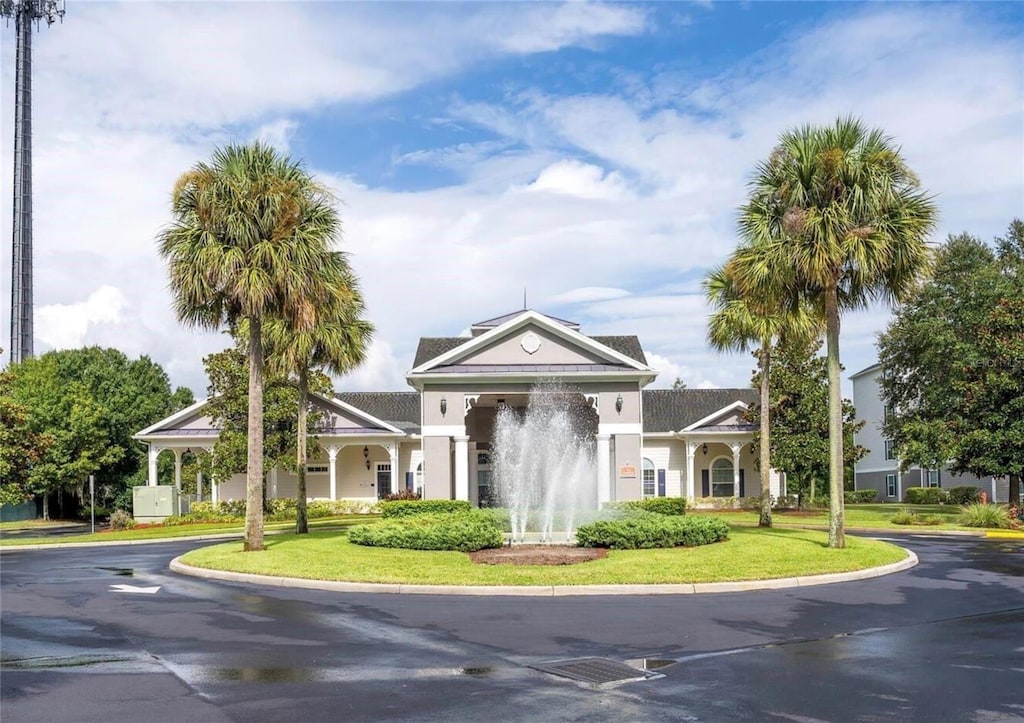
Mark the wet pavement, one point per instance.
(84, 637)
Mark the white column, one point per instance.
(332, 456)
(736, 468)
(177, 469)
(154, 452)
(393, 452)
(899, 483)
(691, 472)
(604, 471)
(214, 490)
(461, 467)
(199, 485)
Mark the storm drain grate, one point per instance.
(594, 670)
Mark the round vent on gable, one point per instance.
(530, 342)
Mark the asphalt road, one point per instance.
(941, 642)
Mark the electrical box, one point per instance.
(154, 504)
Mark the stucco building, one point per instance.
(437, 438)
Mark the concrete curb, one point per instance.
(545, 590)
(118, 543)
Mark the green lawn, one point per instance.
(749, 554)
(875, 516)
(172, 531)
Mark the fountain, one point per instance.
(543, 462)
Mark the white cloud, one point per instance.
(607, 205)
(582, 180)
(278, 133)
(587, 293)
(65, 326)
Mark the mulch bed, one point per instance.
(537, 555)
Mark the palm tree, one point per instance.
(739, 322)
(249, 233)
(336, 342)
(837, 214)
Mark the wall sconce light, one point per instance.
(618, 404)
(366, 456)
(704, 449)
(444, 406)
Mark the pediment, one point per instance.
(535, 341)
(729, 418)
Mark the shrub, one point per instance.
(906, 517)
(403, 495)
(859, 497)
(963, 495)
(717, 503)
(121, 520)
(409, 508)
(658, 505)
(979, 515)
(786, 502)
(331, 508)
(645, 531)
(463, 531)
(924, 495)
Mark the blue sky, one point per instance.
(593, 153)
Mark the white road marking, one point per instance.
(134, 588)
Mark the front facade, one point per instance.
(880, 468)
(437, 439)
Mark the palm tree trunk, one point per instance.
(301, 521)
(254, 470)
(836, 524)
(764, 362)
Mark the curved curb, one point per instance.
(120, 543)
(545, 590)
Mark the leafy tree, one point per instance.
(90, 402)
(678, 384)
(21, 447)
(836, 214)
(249, 236)
(336, 342)
(798, 404)
(228, 374)
(741, 319)
(949, 373)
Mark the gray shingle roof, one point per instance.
(499, 320)
(431, 347)
(400, 409)
(669, 410)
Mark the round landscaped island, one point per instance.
(765, 557)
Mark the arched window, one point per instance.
(650, 488)
(419, 480)
(722, 478)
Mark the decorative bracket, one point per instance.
(594, 400)
(470, 400)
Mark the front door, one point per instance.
(383, 481)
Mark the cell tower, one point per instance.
(24, 12)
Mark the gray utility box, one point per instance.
(154, 504)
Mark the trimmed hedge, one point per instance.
(859, 497)
(391, 509)
(645, 531)
(963, 495)
(924, 495)
(463, 531)
(658, 505)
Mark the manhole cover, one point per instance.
(593, 670)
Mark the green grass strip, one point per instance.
(749, 554)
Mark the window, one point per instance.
(419, 480)
(721, 478)
(890, 449)
(933, 478)
(887, 414)
(650, 486)
(317, 469)
(890, 485)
